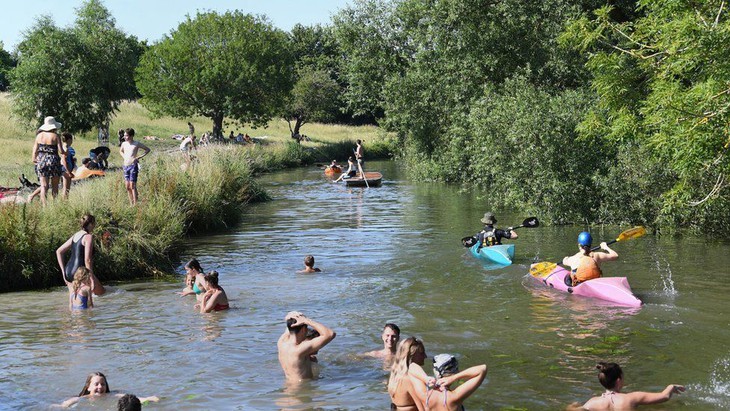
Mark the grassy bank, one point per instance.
(175, 201)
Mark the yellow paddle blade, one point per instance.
(542, 270)
(635, 232)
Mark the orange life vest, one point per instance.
(587, 270)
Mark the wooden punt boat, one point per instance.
(373, 179)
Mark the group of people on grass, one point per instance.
(54, 162)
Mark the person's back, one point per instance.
(129, 402)
(439, 396)
(295, 349)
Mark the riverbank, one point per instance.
(210, 195)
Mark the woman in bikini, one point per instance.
(409, 357)
(215, 298)
(49, 157)
(194, 281)
(79, 293)
(438, 394)
(97, 386)
(81, 245)
(612, 378)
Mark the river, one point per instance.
(388, 254)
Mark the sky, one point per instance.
(151, 19)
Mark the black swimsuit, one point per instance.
(77, 258)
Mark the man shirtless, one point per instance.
(129, 150)
(295, 349)
(390, 336)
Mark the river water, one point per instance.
(388, 254)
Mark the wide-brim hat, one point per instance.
(489, 219)
(50, 123)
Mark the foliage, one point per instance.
(315, 97)
(7, 62)
(664, 83)
(232, 65)
(78, 74)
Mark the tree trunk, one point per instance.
(295, 133)
(218, 125)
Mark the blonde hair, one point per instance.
(81, 276)
(403, 358)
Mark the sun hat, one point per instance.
(49, 123)
(489, 218)
(445, 364)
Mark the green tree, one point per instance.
(7, 62)
(232, 65)
(79, 74)
(664, 83)
(315, 97)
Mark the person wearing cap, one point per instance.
(295, 350)
(493, 236)
(437, 394)
(49, 156)
(585, 264)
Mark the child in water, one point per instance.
(309, 266)
(79, 290)
(97, 386)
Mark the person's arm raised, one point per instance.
(325, 334)
(645, 398)
(473, 376)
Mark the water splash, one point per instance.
(717, 391)
(665, 272)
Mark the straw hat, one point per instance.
(49, 123)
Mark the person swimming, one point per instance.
(215, 298)
(309, 266)
(611, 378)
(80, 295)
(96, 385)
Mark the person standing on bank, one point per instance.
(49, 156)
(129, 151)
(81, 245)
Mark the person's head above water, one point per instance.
(194, 264)
(211, 279)
(292, 318)
(410, 350)
(391, 336)
(309, 261)
(445, 365)
(609, 374)
(95, 384)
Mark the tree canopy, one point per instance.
(230, 65)
(78, 74)
(7, 62)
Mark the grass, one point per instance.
(327, 141)
(175, 200)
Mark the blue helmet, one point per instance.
(585, 238)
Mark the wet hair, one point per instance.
(312, 334)
(81, 275)
(212, 278)
(194, 264)
(608, 374)
(403, 357)
(129, 132)
(85, 390)
(309, 261)
(67, 136)
(392, 327)
(87, 220)
(129, 402)
(293, 328)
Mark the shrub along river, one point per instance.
(388, 254)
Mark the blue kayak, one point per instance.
(500, 254)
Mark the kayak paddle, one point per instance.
(542, 270)
(530, 222)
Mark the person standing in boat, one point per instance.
(490, 235)
(359, 156)
(586, 265)
(612, 378)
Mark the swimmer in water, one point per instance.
(295, 350)
(309, 266)
(97, 386)
(80, 296)
(390, 337)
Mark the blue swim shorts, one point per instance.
(131, 172)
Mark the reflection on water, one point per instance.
(388, 254)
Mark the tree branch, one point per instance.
(717, 19)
